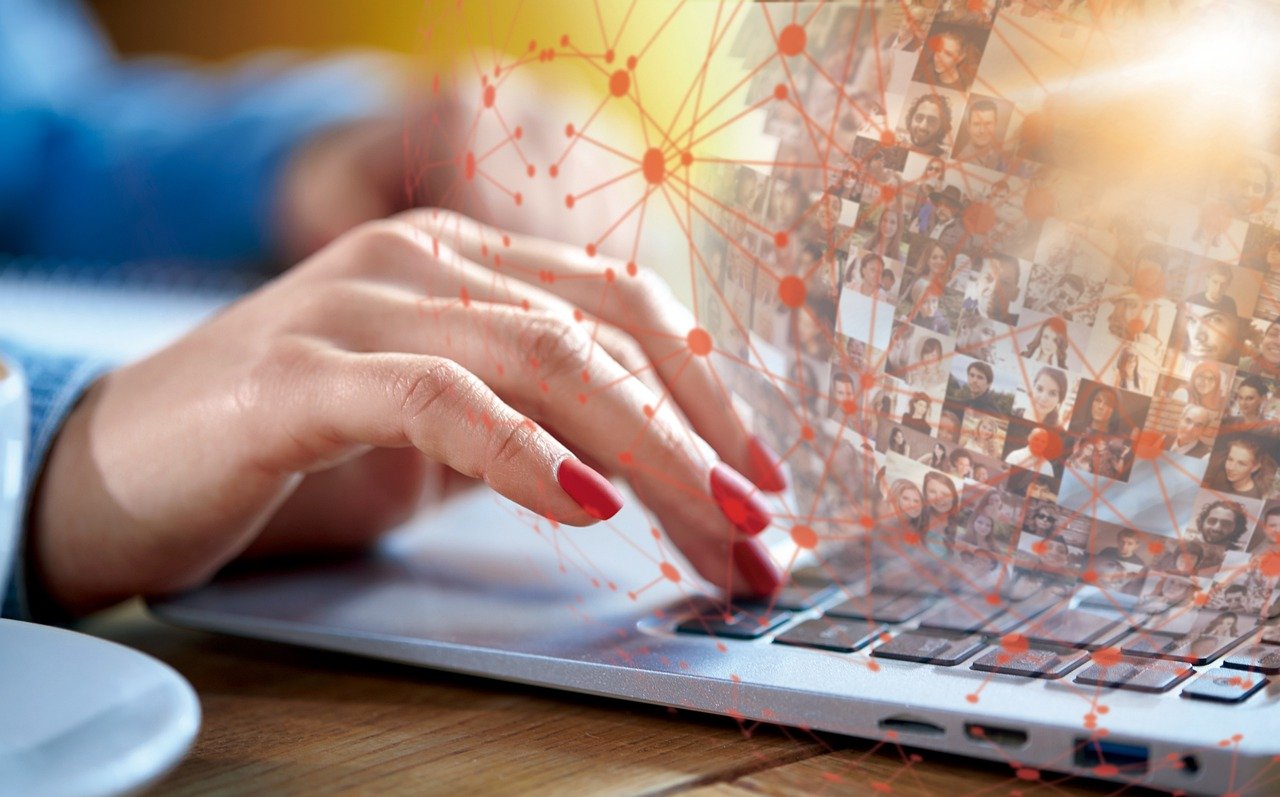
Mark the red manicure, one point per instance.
(765, 466)
(593, 492)
(756, 567)
(738, 500)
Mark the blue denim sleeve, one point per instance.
(116, 160)
(55, 385)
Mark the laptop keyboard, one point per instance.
(1044, 636)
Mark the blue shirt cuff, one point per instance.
(56, 385)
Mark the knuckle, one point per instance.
(507, 446)
(285, 360)
(432, 219)
(646, 288)
(555, 345)
(427, 390)
(387, 239)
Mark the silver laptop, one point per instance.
(1028, 384)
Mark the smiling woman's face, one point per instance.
(939, 497)
(911, 503)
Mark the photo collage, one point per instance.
(964, 341)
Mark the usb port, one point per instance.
(1094, 753)
(1005, 737)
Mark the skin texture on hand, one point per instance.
(315, 412)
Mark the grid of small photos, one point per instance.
(959, 341)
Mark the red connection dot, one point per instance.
(489, 93)
(654, 164)
(619, 83)
(979, 218)
(669, 571)
(469, 166)
(1045, 444)
(1150, 444)
(780, 92)
(791, 291)
(791, 40)
(699, 341)
(1014, 643)
(781, 239)
(804, 537)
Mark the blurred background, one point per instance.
(229, 28)
(431, 33)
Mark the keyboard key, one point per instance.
(1271, 634)
(813, 577)
(1224, 686)
(830, 633)
(962, 617)
(734, 625)
(1014, 615)
(1074, 628)
(881, 607)
(1032, 662)
(1139, 675)
(1256, 658)
(793, 597)
(1193, 649)
(927, 648)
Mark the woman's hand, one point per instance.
(312, 414)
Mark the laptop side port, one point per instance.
(911, 725)
(1092, 754)
(1005, 737)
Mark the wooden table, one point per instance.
(285, 720)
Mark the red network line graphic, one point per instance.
(986, 369)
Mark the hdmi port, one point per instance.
(907, 725)
(1005, 737)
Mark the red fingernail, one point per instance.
(756, 567)
(765, 466)
(593, 492)
(738, 500)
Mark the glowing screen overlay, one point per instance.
(991, 319)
